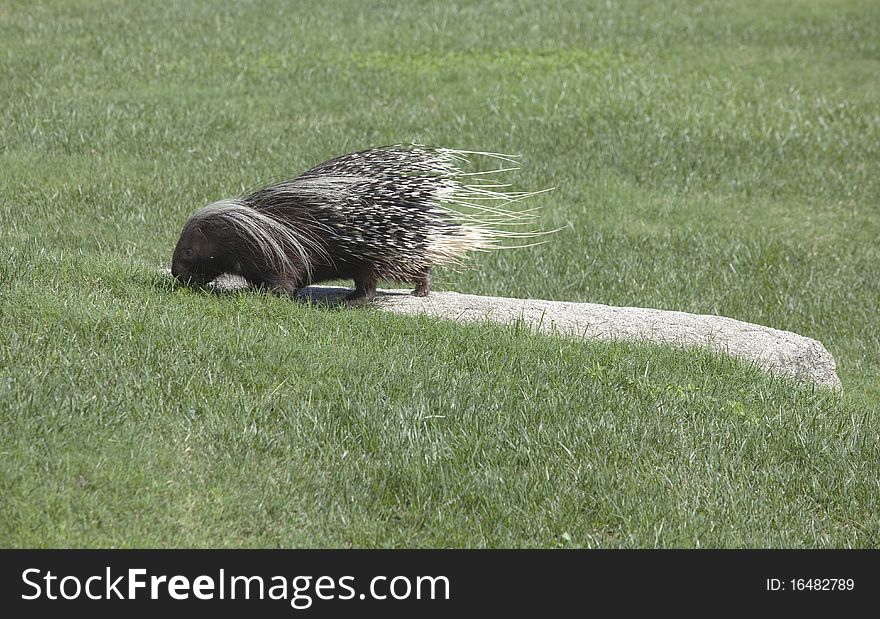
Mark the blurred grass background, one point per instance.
(711, 157)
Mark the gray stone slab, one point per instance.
(781, 353)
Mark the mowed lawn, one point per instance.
(710, 157)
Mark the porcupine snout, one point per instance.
(180, 272)
(185, 275)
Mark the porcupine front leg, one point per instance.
(423, 284)
(287, 284)
(287, 287)
(364, 288)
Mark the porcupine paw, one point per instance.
(284, 287)
(423, 285)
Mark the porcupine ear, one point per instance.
(197, 236)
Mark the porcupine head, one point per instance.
(206, 248)
(199, 255)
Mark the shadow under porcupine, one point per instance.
(390, 213)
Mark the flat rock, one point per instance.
(781, 353)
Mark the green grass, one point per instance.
(708, 157)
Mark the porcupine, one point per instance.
(388, 213)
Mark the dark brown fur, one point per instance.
(208, 248)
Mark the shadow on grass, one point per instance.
(325, 296)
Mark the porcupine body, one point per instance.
(389, 213)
